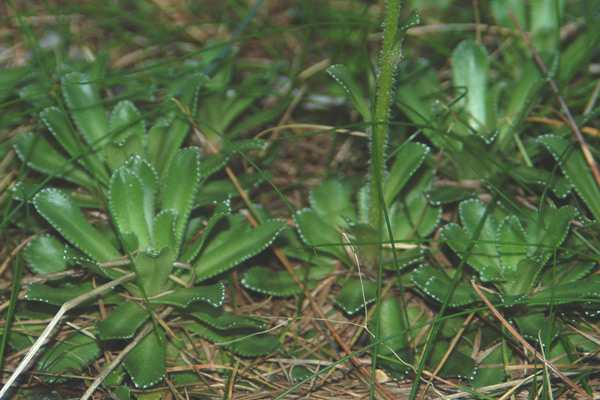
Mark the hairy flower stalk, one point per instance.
(390, 57)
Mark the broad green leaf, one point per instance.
(44, 255)
(86, 107)
(458, 365)
(525, 276)
(393, 353)
(489, 376)
(355, 295)
(39, 154)
(448, 194)
(550, 235)
(146, 362)
(157, 136)
(126, 194)
(487, 265)
(181, 184)
(344, 78)
(512, 244)
(245, 342)
(436, 284)
(116, 154)
(419, 218)
(126, 120)
(404, 258)
(189, 253)
(469, 70)
(316, 232)
(281, 283)
(154, 270)
(74, 353)
(211, 294)
(164, 230)
(149, 178)
(57, 296)
(529, 175)
(219, 190)
(233, 243)
(122, 322)
(534, 326)
(331, 200)
(566, 272)
(406, 163)
(60, 211)
(220, 319)
(575, 169)
(366, 241)
(569, 292)
(300, 372)
(57, 123)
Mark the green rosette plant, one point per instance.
(148, 227)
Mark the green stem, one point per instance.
(390, 57)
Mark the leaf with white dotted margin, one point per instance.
(576, 170)
(344, 78)
(44, 255)
(83, 100)
(233, 241)
(406, 162)
(146, 362)
(62, 213)
(181, 184)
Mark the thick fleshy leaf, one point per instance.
(512, 245)
(122, 322)
(83, 100)
(355, 295)
(535, 326)
(211, 294)
(57, 296)
(419, 218)
(232, 242)
(525, 276)
(39, 155)
(281, 283)
(458, 365)
(154, 270)
(529, 175)
(393, 353)
(181, 184)
(44, 255)
(549, 235)
(149, 178)
(489, 376)
(116, 154)
(436, 284)
(146, 362)
(319, 234)
(343, 76)
(219, 190)
(164, 230)
(569, 292)
(62, 131)
(126, 120)
(404, 259)
(469, 69)
(189, 253)
(74, 353)
(332, 201)
(60, 211)
(220, 319)
(126, 194)
(366, 243)
(245, 342)
(448, 194)
(406, 163)
(214, 163)
(576, 170)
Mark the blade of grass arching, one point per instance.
(14, 296)
(436, 326)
